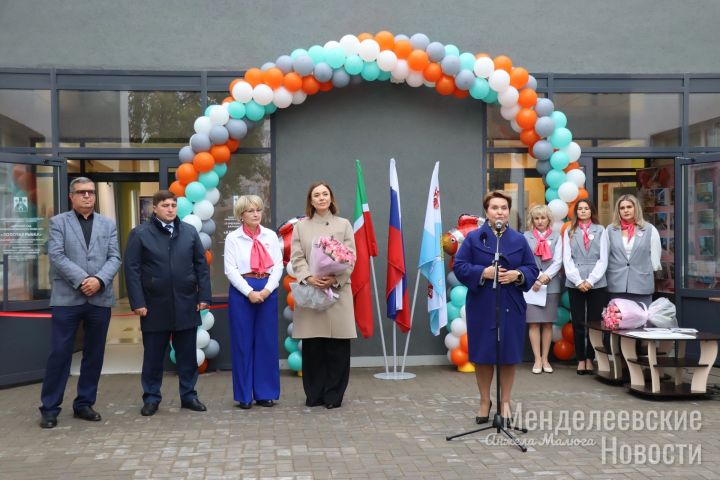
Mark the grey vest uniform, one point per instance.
(634, 274)
(555, 285)
(585, 260)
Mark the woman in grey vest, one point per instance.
(633, 252)
(585, 261)
(547, 249)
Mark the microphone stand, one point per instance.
(499, 422)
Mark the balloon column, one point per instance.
(292, 346)
(206, 348)
(563, 348)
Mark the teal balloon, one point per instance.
(195, 191)
(480, 89)
(565, 299)
(491, 97)
(270, 108)
(335, 57)
(204, 312)
(220, 169)
(563, 316)
(295, 361)
(236, 110)
(458, 295)
(551, 194)
(370, 71)
(559, 118)
(298, 52)
(453, 312)
(207, 110)
(254, 111)
(560, 138)
(317, 53)
(184, 207)
(384, 76)
(354, 64)
(555, 178)
(172, 355)
(559, 160)
(467, 61)
(290, 344)
(209, 179)
(451, 49)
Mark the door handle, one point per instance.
(714, 299)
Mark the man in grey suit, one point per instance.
(84, 259)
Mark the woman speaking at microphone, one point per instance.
(517, 273)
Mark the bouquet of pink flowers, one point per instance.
(622, 314)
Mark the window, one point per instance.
(704, 120)
(25, 118)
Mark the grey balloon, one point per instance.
(290, 328)
(323, 72)
(200, 142)
(186, 154)
(401, 36)
(284, 63)
(303, 65)
(219, 135)
(464, 80)
(544, 126)
(452, 280)
(450, 65)
(420, 41)
(544, 107)
(206, 240)
(267, 66)
(542, 150)
(287, 314)
(212, 349)
(356, 80)
(237, 129)
(249, 123)
(531, 83)
(340, 78)
(208, 227)
(543, 166)
(436, 51)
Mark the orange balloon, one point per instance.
(565, 226)
(186, 173)
(325, 86)
(385, 39)
(290, 301)
(273, 77)
(310, 85)
(571, 209)
(221, 153)
(463, 343)
(563, 350)
(203, 366)
(458, 356)
(208, 256)
(364, 36)
(527, 98)
(567, 332)
(445, 85)
(418, 60)
(481, 55)
(292, 82)
(582, 194)
(519, 77)
(571, 166)
(457, 93)
(254, 76)
(203, 162)
(233, 144)
(403, 48)
(177, 188)
(227, 100)
(526, 118)
(503, 62)
(432, 72)
(287, 281)
(232, 84)
(529, 137)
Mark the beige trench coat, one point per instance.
(337, 321)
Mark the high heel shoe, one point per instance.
(547, 368)
(486, 418)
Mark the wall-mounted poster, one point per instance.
(145, 209)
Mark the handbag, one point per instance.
(307, 296)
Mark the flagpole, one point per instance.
(395, 349)
(412, 314)
(380, 318)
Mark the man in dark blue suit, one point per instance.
(84, 259)
(168, 284)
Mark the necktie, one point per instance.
(169, 228)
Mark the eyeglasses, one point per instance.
(255, 210)
(83, 193)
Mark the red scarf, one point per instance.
(629, 226)
(542, 249)
(260, 260)
(585, 227)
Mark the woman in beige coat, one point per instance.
(325, 334)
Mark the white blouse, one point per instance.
(237, 258)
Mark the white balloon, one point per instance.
(576, 176)
(556, 333)
(387, 60)
(203, 125)
(483, 67)
(203, 338)
(288, 314)
(401, 70)
(415, 79)
(568, 192)
(350, 44)
(449, 356)
(242, 91)
(458, 327)
(208, 321)
(282, 97)
(200, 355)
(451, 341)
(218, 114)
(499, 81)
(429, 84)
(509, 97)
(262, 94)
(289, 269)
(212, 350)
(514, 125)
(299, 97)
(331, 44)
(204, 209)
(368, 49)
(291, 327)
(573, 151)
(462, 313)
(509, 113)
(193, 220)
(213, 196)
(558, 208)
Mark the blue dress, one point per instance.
(475, 254)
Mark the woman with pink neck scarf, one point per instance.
(253, 265)
(633, 252)
(585, 261)
(547, 249)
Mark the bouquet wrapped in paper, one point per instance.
(328, 257)
(623, 314)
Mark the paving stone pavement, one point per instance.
(384, 430)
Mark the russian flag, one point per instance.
(398, 306)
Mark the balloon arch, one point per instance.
(384, 56)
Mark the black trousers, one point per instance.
(585, 307)
(156, 344)
(326, 370)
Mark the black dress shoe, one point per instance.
(330, 406)
(265, 403)
(87, 413)
(149, 409)
(244, 406)
(195, 405)
(308, 403)
(48, 420)
(486, 418)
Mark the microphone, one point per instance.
(499, 225)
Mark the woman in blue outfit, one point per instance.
(518, 272)
(253, 265)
